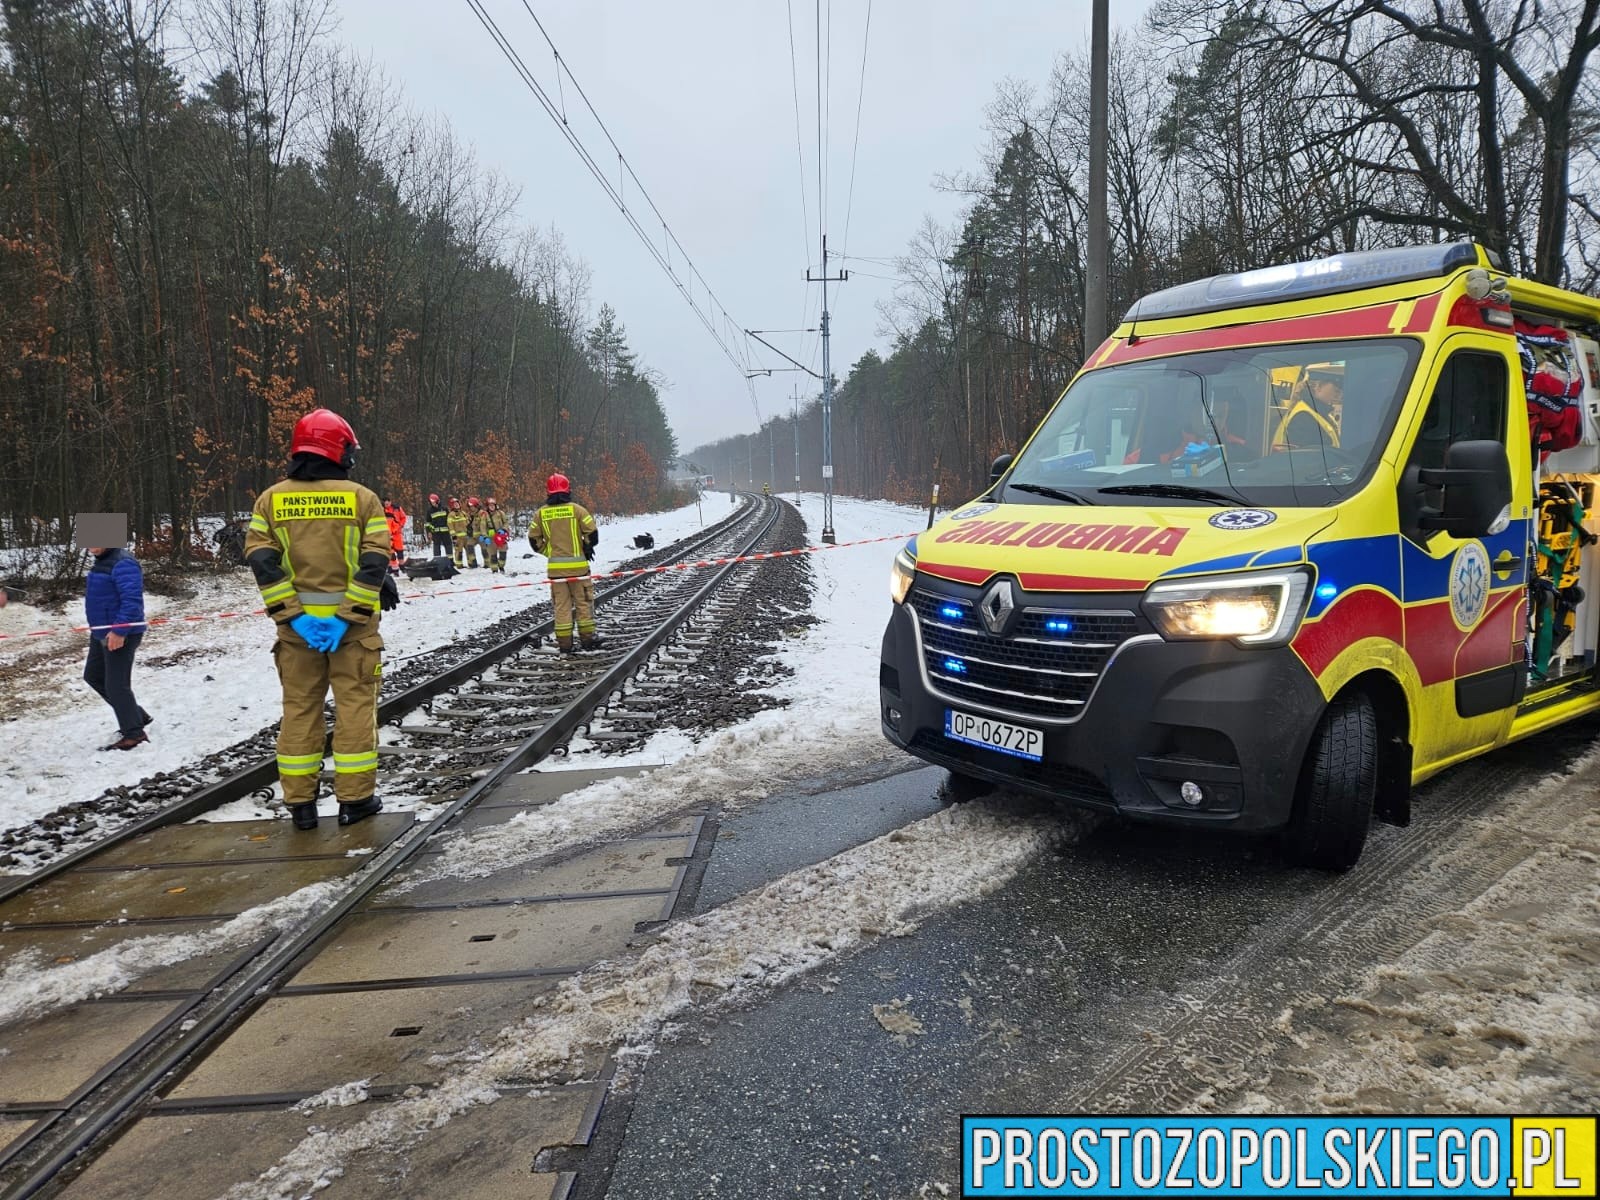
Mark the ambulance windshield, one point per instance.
(1287, 425)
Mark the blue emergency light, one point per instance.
(1326, 591)
(955, 666)
(1058, 625)
(951, 613)
(1318, 277)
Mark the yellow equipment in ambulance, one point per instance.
(1292, 541)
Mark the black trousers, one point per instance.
(110, 674)
(441, 545)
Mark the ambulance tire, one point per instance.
(960, 788)
(1338, 784)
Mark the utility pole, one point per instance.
(1094, 298)
(827, 393)
(797, 446)
(772, 459)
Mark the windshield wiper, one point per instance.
(1040, 489)
(1176, 490)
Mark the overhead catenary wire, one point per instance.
(855, 145)
(726, 341)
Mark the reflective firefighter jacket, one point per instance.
(457, 522)
(438, 520)
(319, 547)
(481, 525)
(562, 532)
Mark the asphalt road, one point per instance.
(1130, 970)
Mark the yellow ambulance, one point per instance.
(1292, 541)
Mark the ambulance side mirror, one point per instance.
(998, 467)
(1476, 496)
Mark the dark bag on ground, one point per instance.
(644, 541)
(436, 568)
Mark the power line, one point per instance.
(614, 193)
(861, 91)
(794, 83)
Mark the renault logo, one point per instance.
(995, 607)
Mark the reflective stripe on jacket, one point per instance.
(559, 532)
(457, 522)
(320, 530)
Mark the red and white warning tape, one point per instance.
(431, 593)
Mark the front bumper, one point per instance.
(1237, 722)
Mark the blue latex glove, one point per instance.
(312, 630)
(486, 540)
(333, 630)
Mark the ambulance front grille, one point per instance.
(1046, 667)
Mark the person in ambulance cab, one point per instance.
(1317, 416)
(326, 602)
(566, 534)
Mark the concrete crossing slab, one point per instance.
(162, 893)
(487, 1155)
(50, 1059)
(632, 866)
(400, 944)
(246, 841)
(60, 947)
(303, 1044)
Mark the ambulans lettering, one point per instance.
(313, 506)
(1118, 539)
(998, 536)
(1080, 538)
(1123, 538)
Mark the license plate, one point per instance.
(1017, 740)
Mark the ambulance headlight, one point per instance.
(901, 573)
(1258, 609)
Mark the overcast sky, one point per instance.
(699, 95)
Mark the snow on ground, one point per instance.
(722, 959)
(832, 721)
(210, 683)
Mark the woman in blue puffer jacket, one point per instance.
(114, 603)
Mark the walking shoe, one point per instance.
(349, 814)
(128, 741)
(305, 815)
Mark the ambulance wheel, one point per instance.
(1338, 783)
(960, 788)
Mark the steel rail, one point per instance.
(264, 772)
(286, 952)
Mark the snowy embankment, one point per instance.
(832, 723)
(211, 682)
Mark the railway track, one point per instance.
(450, 743)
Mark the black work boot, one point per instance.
(305, 815)
(349, 814)
(593, 643)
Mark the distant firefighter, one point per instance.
(566, 534)
(437, 526)
(458, 521)
(496, 535)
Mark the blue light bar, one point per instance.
(1058, 625)
(1318, 277)
(1326, 591)
(955, 666)
(951, 613)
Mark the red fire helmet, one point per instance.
(322, 431)
(558, 483)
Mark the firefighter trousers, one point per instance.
(573, 601)
(355, 672)
(466, 551)
(441, 544)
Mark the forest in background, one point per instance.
(1241, 135)
(212, 219)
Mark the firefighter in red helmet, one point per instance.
(477, 529)
(498, 527)
(456, 522)
(566, 534)
(326, 602)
